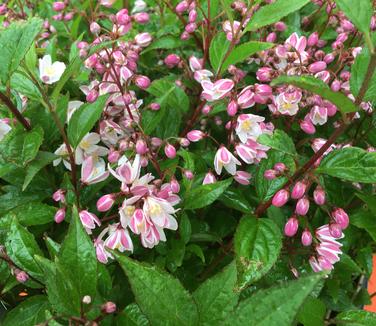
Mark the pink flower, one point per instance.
(60, 215)
(209, 179)
(195, 135)
(302, 206)
(299, 190)
(242, 177)
(93, 170)
(248, 126)
(224, 158)
(280, 198)
(341, 218)
(152, 237)
(127, 172)
(246, 98)
(105, 202)
(291, 227)
(319, 196)
(172, 60)
(160, 212)
(195, 63)
(306, 238)
(89, 220)
(202, 75)
(59, 195)
(319, 115)
(143, 39)
(118, 238)
(101, 253)
(216, 91)
(170, 151)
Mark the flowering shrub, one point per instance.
(187, 163)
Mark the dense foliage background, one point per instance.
(187, 163)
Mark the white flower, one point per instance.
(50, 72)
(63, 154)
(160, 212)
(4, 128)
(88, 147)
(139, 5)
(224, 158)
(248, 126)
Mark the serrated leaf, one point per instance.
(165, 42)
(244, 51)
(274, 306)
(15, 42)
(217, 50)
(351, 164)
(22, 247)
(312, 312)
(257, 244)
(132, 316)
(274, 12)
(216, 297)
(160, 296)
(359, 12)
(28, 313)
(205, 195)
(84, 119)
(234, 198)
(317, 86)
(279, 140)
(77, 257)
(356, 318)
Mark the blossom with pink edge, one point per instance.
(209, 179)
(248, 126)
(216, 91)
(195, 63)
(50, 72)
(93, 170)
(118, 238)
(89, 220)
(127, 172)
(224, 158)
(242, 177)
(202, 75)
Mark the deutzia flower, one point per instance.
(4, 128)
(248, 126)
(50, 72)
(224, 158)
(72, 107)
(93, 170)
(88, 147)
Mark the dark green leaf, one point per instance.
(132, 316)
(317, 86)
(244, 51)
(235, 198)
(84, 119)
(216, 297)
(274, 12)
(356, 318)
(257, 245)
(160, 296)
(279, 140)
(204, 195)
(312, 313)
(217, 51)
(351, 164)
(165, 42)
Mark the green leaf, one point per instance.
(274, 12)
(77, 257)
(351, 164)
(21, 248)
(204, 195)
(244, 51)
(356, 318)
(359, 12)
(257, 245)
(216, 297)
(28, 313)
(160, 296)
(20, 147)
(265, 189)
(25, 86)
(217, 50)
(185, 228)
(165, 42)
(358, 73)
(84, 119)
(31, 213)
(235, 198)
(279, 140)
(15, 42)
(364, 220)
(132, 316)
(41, 160)
(274, 306)
(317, 86)
(312, 313)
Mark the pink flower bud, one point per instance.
(280, 167)
(264, 74)
(336, 85)
(142, 82)
(82, 45)
(299, 190)
(317, 67)
(272, 37)
(59, 195)
(306, 238)
(155, 106)
(95, 28)
(105, 203)
(302, 206)
(190, 28)
(175, 186)
(188, 174)
(270, 174)
(21, 276)
(184, 142)
(141, 18)
(206, 109)
(242, 177)
(319, 196)
(192, 16)
(156, 142)
(60, 215)
(280, 26)
(92, 96)
(329, 58)
(68, 16)
(122, 17)
(141, 147)
(184, 36)
(335, 230)
(143, 39)
(313, 39)
(109, 307)
(195, 135)
(195, 63)
(170, 151)
(280, 198)
(172, 60)
(182, 7)
(341, 218)
(113, 156)
(307, 127)
(3, 9)
(209, 179)
(291, 226)
(58, 6)
(232, 108)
